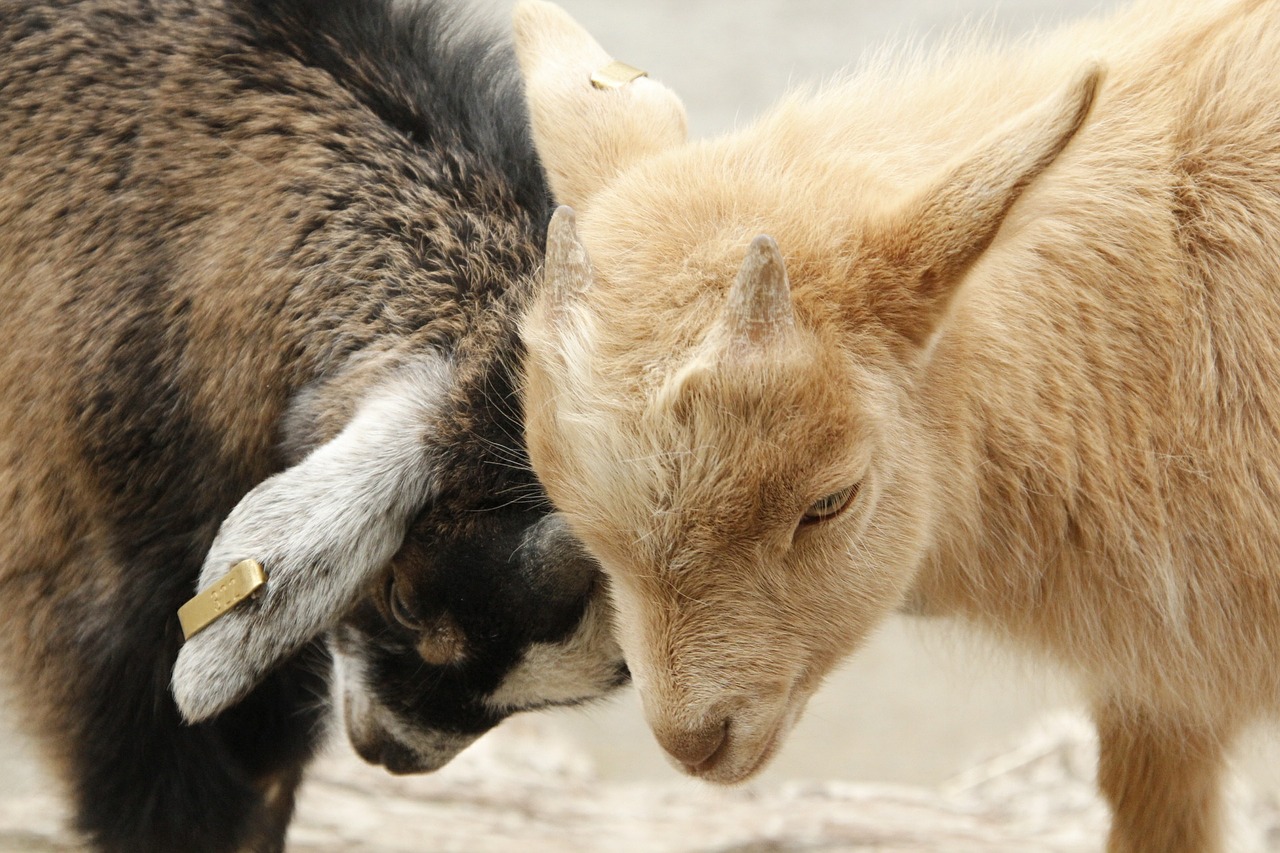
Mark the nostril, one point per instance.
(694, 747)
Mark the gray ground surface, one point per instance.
(526, 788)
(920, 702)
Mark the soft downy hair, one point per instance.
(983, 335)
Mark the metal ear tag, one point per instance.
(244, 579)
(615, 75)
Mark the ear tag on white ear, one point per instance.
(244, 579)
(615, 75)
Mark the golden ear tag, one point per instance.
(235, 586)
(615, 75)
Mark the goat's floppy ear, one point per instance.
(937, 235)
(586, 131)
(321, 530)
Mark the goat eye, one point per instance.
(829, 506)
(400, 610)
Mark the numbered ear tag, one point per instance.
(244, 579)
(615, 75)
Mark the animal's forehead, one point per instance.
(718, 474)
(738, 467)
(702, 204)
(653, 307)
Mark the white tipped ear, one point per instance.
(586, 135)
(758, 311)
(321, 530)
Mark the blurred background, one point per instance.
(921, 700)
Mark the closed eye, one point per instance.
(829, 506)
(400, 609)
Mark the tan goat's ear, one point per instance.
(587, 132)
(758, 312)
(935, 237)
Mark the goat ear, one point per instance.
(932, 240)
(587, 130)
(321, 529)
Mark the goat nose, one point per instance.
(694, 747)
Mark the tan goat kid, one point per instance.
(1012, 357)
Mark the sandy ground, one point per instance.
(920, 701)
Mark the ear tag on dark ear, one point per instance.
(615, 75)
(235, 586)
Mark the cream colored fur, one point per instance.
(1032, 310)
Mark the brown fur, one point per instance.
(1038, 332)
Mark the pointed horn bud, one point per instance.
(759, 306)
(568, 269)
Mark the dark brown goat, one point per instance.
(259, 269)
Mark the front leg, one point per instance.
(1162, 779)
(279, 792)
(273, 735)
